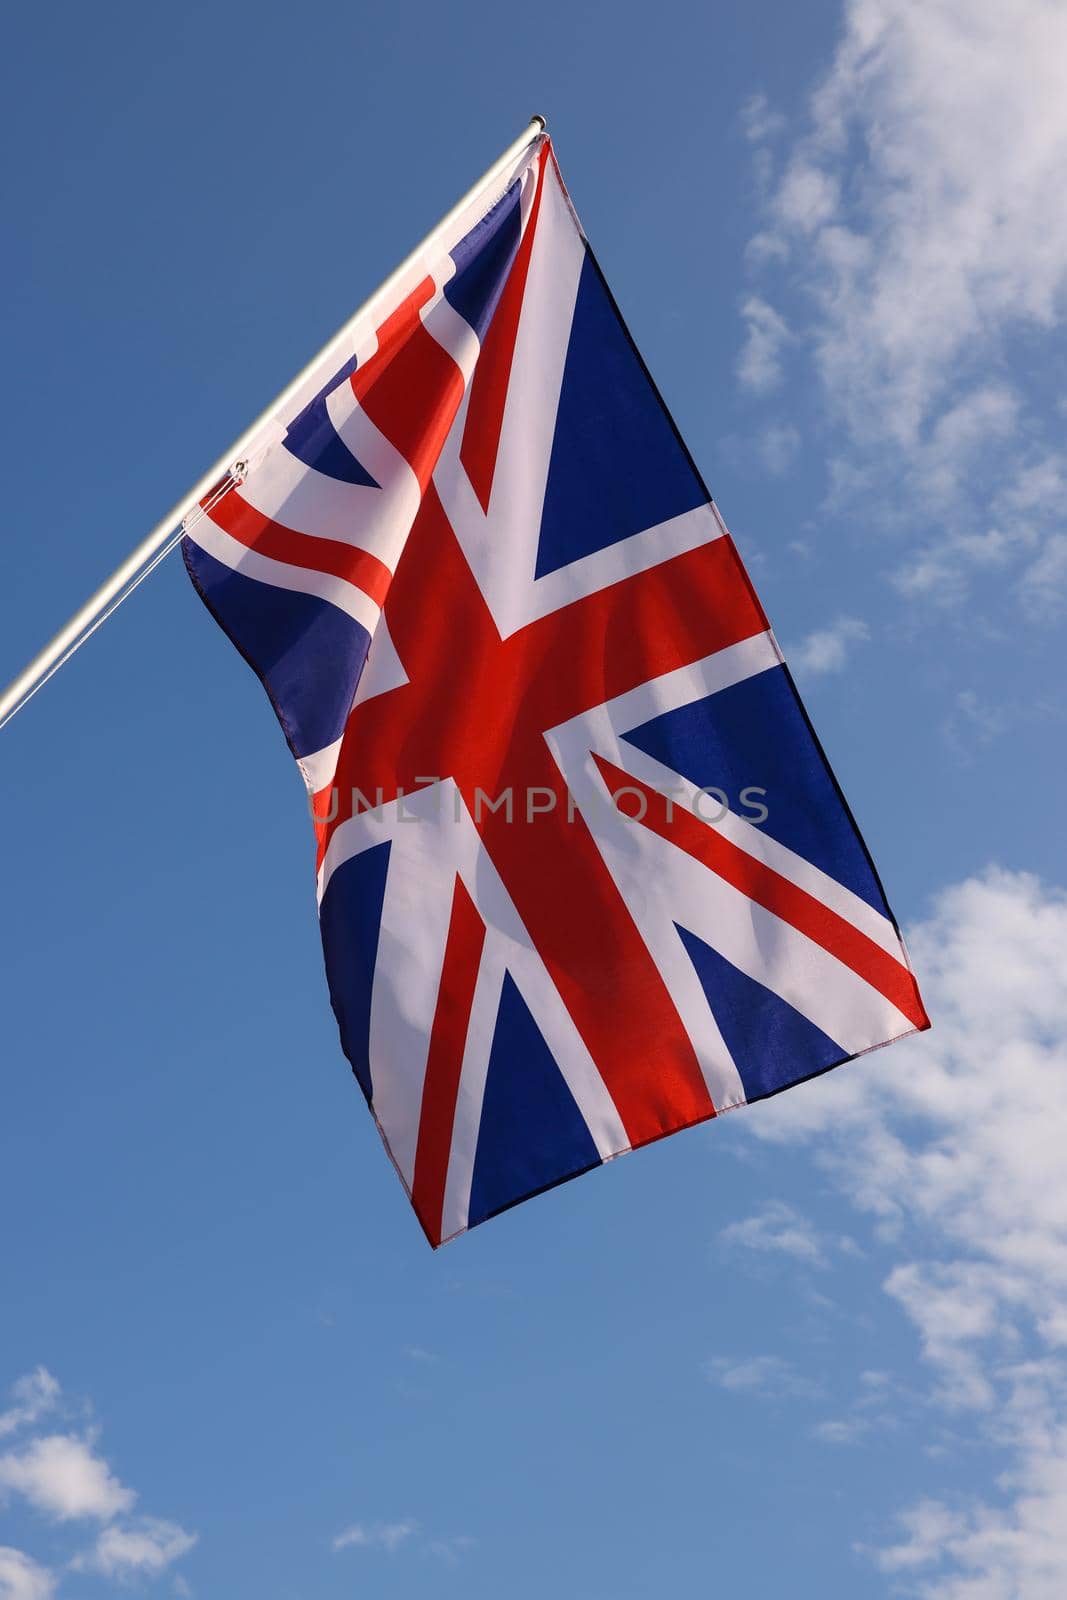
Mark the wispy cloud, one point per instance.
(920, 279)
(958, 1149)
(65, 1478)
(33, 1396)
(1043, 584)
(841, 1430)
(928, 1529)
(974, 721)
(828, 649)
(866, 1413)
(388, 1536)
(424, 1357)
(950, 239)
(451, 1550)
(779, 1229)
(759, 120)
(953, 1552)
(778, 447)
(404, 1532)
(1018, 541)
(144, 1548)
(22, 1578)
(765, 1377)
(759, 366)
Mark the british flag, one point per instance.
(585, 877)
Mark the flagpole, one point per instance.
(167, 532)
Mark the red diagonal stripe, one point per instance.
(250, 527)
(413, 400)
(391, 335)
(638, 628)
(593, 951)
(459, 974)
(562, 664)
(489, 388)
(776, 894)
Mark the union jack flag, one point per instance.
(585, 877)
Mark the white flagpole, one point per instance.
(164, 536)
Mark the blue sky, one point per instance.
(816, 1347)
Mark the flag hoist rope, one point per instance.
(168, 531)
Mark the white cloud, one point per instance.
(770, 450)
(841, 1430)
(390, 1536)
(953, 1142)
(987, 1085)
(418, 1353)
(974, 721)
(450, 1549)
(943, 571)
(375, 1535)
(808, 197)
(928, 1527)
(869, 1411)
(22, 1578)
(34, 1395)
(1044, 582)
(987, 1553)
(958, 110)
(776, 1228)
(145, 1548)
(759, 366)
(766, 1377)
(758, 120)
(827, 649)
(1023, 514)
(917, 210)
(61, 1475)
(874, 1380)
(961, 434)
(954, 1305)
(778, 446)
